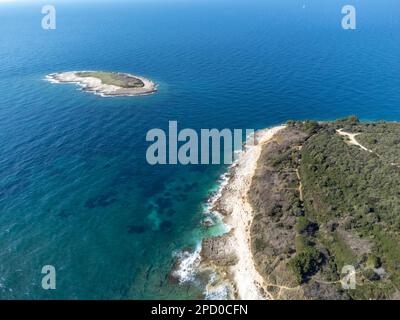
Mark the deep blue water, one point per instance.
(75, 189)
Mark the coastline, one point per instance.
(230, 254)
(96, 86)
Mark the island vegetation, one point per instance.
(321, 202)
(114, 79)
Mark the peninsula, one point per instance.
(106, 84)
(309, 202)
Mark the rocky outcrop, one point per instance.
(219, 250)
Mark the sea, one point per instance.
(76, 191)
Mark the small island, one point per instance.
(106, 84)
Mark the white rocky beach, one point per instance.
(232, 251)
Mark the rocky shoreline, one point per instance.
(230, 255)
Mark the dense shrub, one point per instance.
(305, 263)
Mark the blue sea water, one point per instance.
(76, 191)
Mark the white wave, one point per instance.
(219, 292)
(188, 265)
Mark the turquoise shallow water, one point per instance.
(75, 189)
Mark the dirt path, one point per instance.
(352, 139)
(300, 185)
